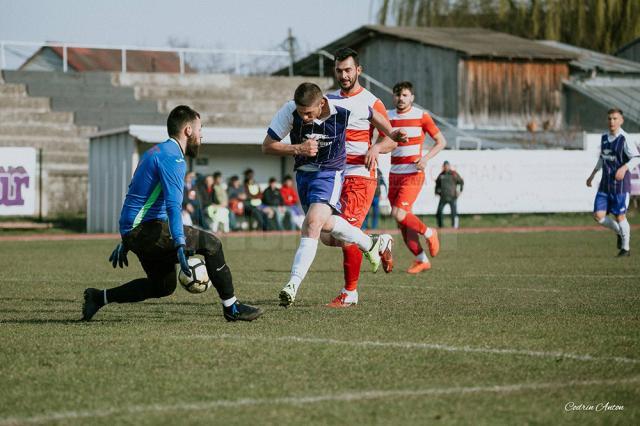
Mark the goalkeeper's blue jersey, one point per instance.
(156, 190)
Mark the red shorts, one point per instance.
(404, 189)
(357, 195)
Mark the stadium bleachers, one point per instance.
(223, 100)
(58, 111)
(27, 121)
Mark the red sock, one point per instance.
(411, 221)
(411, 239)
(352, 261)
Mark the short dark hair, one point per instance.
(614, 110)
(287, 177)
(344, 53)
(179, 117)
(307, 94)
(402, 85)
(272, 179)
(217, 174)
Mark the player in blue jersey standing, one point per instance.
(317, 126)
(151, 227)
(618, 155)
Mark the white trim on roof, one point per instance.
(210, 135)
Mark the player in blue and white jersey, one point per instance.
(151, 227)
(618, 155)
(317, 126)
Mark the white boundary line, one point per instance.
(309, 399)
(417, 346)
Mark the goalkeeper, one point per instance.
(151, 227)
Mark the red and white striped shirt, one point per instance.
(360, 133)
(416, 123)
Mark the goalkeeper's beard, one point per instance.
(193, 147)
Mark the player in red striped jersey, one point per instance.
(406, 176)
(360, 179)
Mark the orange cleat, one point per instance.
(434, 243)
(418, 267)
(343, 301)
(386, 257)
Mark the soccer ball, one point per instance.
(199, 281)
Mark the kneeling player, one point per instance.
(151, 227)
(406, 176)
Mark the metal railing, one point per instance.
(181, 52)
(370, 80)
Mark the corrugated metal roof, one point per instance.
(468, 42)
(628, 45)
(85, 59)
(589, 60)
(622, 93)
(474, 42)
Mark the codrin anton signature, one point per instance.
(601, 406)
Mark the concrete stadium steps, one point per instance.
(36, 118)
(45, 129)
(27, 121)
(222, 100)
(27, 104)
(72, 146)
(13, 90)
(91, 96)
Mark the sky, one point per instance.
(229, 24)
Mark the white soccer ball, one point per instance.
(199, 281)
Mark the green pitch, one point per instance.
(509, 328)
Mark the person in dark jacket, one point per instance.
(272, 199)
(447, 188)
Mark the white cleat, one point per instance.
(287, 295)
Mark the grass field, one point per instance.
(506, 329)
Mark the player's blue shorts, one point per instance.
(616, 204)
(323, 186)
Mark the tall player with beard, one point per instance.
(151, 227)
(360, 181)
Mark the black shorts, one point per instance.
(151, 241)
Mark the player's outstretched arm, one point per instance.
(383, 125)
(271, 146)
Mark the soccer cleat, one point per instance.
(373, 255)
(417, 267)
(624, 253)
(434, 243)
(619, 241)
(344, 300)
(287, 295)
(92, 303)
(241, 312)
(386, 257)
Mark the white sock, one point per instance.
(343, 231)
(422, 257)
(625, 233)
(349, 292)
(228, 302)
(302, 261)
(607, 222)
(104, 296)
(428, 233)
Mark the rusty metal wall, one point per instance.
(510, 94)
